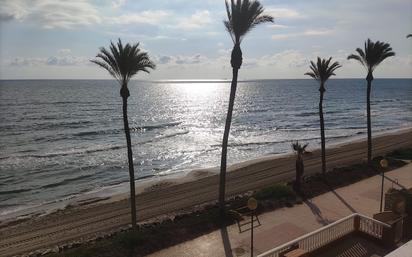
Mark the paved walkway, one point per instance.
(285, 224)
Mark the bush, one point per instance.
(130, 239)
(404, 154)
(83, 251)
(277, 191)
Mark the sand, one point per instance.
(85, 221)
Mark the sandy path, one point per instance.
(86, 221)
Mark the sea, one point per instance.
(64, 139)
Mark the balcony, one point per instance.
(353, 236)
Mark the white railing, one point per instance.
(371, 226)
(330, 233)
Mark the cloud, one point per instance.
(64, 51)
(65, 60)
(163, 18)
(282, 13)
(152, 17)
(317, 32)
(310, 32)
(179, 60)
(12, 10)
(288, 58)
(48, 61)
(278, 26)
(283, 36)
(164, 59)
(291, 58)
(118, 3)
(197, 20)
(51, 13)
(166, 19)
(22, 61)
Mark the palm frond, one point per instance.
(105, 66)
(313, 75)
(298, 148)
(123, 61)
(356, 57)
(372, 54)
(323, 69)
(243, 15)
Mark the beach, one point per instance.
(170, 196)
(62, 144)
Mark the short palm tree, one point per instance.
(322, 71)
(243, 16)
(372, 55)
(299, 150)
(123, 62)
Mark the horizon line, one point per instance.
(197, 80)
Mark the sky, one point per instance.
(55, 39)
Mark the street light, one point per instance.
(384, 165)
(252, 205)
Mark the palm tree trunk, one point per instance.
(223, 161)
(322, 129)
(125, 94)
(298, 174)
(368, 113)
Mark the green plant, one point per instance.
(403, 154)
(277, 191)
(130, 239)
(299, 150)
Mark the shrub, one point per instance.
(404, 154)
(130, 239)
(277, 191)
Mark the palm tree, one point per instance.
(123, 62)
(243, 15)
(372, 55)
(321, 71)
(299, 151)
(409, 35)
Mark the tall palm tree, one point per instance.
(299, 150)
(123, 62)
(321, 71)
(243, 16)
(372, 55)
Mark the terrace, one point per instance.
(349, 236)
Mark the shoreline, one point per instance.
(101, 218)
(119, 192)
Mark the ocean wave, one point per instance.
(65, 181)
(156, 126)
(15, 191)
(258, 110)
(132, 129)
(95, 149)
(296, 129)
(243, 144)
(65, 153)
(183, 132)
(17, 129)
(305, 114)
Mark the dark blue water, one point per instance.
(61, 138)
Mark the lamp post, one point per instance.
(252, 205)
(384, 165)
